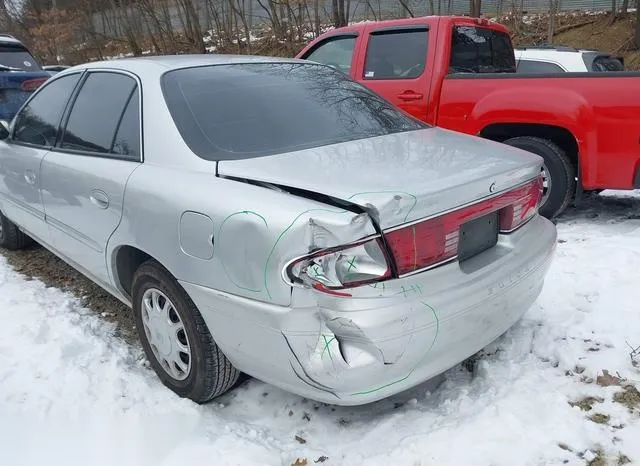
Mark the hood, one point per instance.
(399, 178)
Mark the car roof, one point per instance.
(164, 63)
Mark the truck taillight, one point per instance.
(342, 267)
(434, 241)
(31, 85)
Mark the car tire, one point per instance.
(559, 170)
(11, 237)
(210, 373)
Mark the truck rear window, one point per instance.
(237, 111)
(481, 50)
(18, 58)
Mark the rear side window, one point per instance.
(97, 112)
(227, 112)
(17, 57)
(127, 140)
(336, 52)
(605, 63)
(38, 121)
(399, 54)
(481, 50)
(537, 67)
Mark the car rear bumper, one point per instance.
(383, 339)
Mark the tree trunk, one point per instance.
(474, 8)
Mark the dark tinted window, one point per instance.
(248, 110)
(480, 50)
(127, 140)
(537, 67)
(96, 112)
(38, 122)
(396, 54)
(336, 52)
(16, 56)
(605, 63)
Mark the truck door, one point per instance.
(394, 65)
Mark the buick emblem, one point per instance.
(492, 188)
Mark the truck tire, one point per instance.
(176, 339)
(560, 173)
(11, 237)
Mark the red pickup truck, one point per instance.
(459, 73)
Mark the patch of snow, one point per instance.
(71, 393)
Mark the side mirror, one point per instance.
(4, 130)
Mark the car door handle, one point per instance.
(30, 177)
(410, 95)
(99, 199)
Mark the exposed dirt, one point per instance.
(586, 403)
(629, 397)
(37, 262)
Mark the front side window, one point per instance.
(399, 54)
(481, 50)
(16, 57)
(97, 112)
(336, 52)
(38, 121)
(537, 67)
(227, 112)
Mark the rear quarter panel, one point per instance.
(602, 111)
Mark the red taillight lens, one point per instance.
(32, 84)
(342, 267)
(435, 241)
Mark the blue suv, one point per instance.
(20, 75)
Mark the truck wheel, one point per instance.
(11, 237)
(176, 339)
(559, 174)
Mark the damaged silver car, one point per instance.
(274, 217)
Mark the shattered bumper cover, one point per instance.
(387, 337)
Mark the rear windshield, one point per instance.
(605, 63)
(481, 50)
(17, 57)
(227, 112)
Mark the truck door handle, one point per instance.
(30, 177)
(99, 199)
(410, 95)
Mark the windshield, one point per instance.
(227, 112)
(15, 56)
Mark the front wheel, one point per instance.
(557, 171)
(176, 339)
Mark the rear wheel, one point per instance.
(558, 173)
(11, 237)
(176, 339)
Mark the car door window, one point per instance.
(38, 122)
(396, 54)
(537, 67)
(336, 52)
(127, 140)
(481, 50)
(97, 112)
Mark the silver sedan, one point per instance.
(271, 216)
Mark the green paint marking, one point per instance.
(419, 288)
(326, 346)
(415, 199)
(384, 386)
(412, 370)
(224, 267)
(437, 324)
(352, 264)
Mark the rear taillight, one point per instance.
(432, 242)
(344, 267)
(32, 84)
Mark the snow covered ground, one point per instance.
(73, 394)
